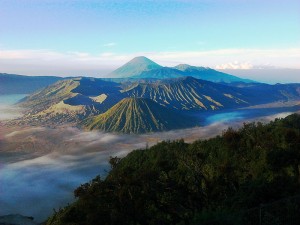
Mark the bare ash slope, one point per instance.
(138, 115)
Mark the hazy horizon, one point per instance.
(270, 75)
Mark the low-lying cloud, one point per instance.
(8, 112)
(56, 161)
(236, 65)
(42, 183)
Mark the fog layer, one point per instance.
(40, 167)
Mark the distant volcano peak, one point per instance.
(135, 67)
(142, 59)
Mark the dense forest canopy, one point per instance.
(215, 181)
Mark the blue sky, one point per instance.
(93, 37)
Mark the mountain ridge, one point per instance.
(189, 93)
(77, 99)
(143, 68)
(21, 84)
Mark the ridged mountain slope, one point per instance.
(161, 73)
(50, 95)
(189, 94)
(138, 115)
(71, 100)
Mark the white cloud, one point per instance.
(235, 65)
(8, 112)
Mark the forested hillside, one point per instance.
(211, 181)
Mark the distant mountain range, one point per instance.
(142, 67)
(155, 98)
(73, 100)
(142, 106)
(136, 69)
(18, 84)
